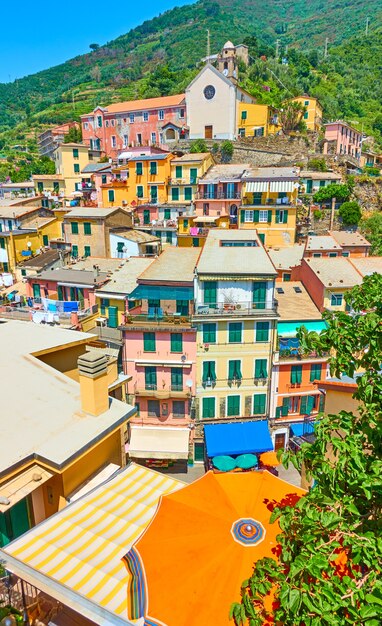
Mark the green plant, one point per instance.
(317, 214)
(334, 190)
(226, 151)
(371, 227)
(372, 171)
(350, 213)
(317, 165)
(215, 148)
(291, 117)
(327, 569)
(74, 135)
(199, 145)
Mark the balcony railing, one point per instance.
(157, 317)
(299, 354)
(183, 181)
(236, 308)
(269, 202)
(219, 195)
(85, 187)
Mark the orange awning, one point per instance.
(205, 536)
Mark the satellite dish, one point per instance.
(183, 358)
(189, 383)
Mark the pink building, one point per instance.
(66, 285)
(341, 138)
(219, 191)
(159, 340)
(154, 121)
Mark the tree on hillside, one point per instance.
(291, 117)
(74, 135)
(371, 228)
(94, 46)
(327, 569)
(340, 192)
(350, 213)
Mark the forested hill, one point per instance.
(161, 56)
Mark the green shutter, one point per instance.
(87, 251)
(209, 333)
(167, 214)
(234, 370)
(178, 171)
(269, 217)
(278, 412)
(139, 191)
(112, 314)
(315, 371)
(153, 168)
(150, 378)
(111, 195)
(310, 404)
(75, 251)
(87, 228)
(285, 218)
(176, 379)
(234, 332)
(259, 403)
(296, 374)
(277, 216)
(285, 407)
(74, 227)
(321, 406)
(209, 372)
(146, 216)
(261, 368)
(36, 290)
(304, 405)
(139, 169)
(208, 407)
(210, 292)
(256, 216)
(262, 331)
(76, 168)
(242, 216)
(175, 193)
(188, 193)
(193, 175)
(45, 240)
(259, 294)
(233, 406)
(176, 342)
(149, 342)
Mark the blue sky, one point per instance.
(37, 35)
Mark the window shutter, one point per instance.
(231, 369)
(242, 216)
(259, 401)
(315, 371)
(176, 342)
(310, 404)
(278, 412)
(304, 405)
(206, 370)
(149, 342)
(285, 407)
(296, 374)
(269, 217)
(256, 216)
(321, 406)
(277, 216)
(222, 407)
(261, 368)
(212, 370)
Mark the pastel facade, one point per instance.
(270, 204)
(151, 122)
(219, 192)
(193, 229)
(327, 281)
(185, 174)
(313, 115)
(88, 230)
(125, 243)
(256, 120)
(66, 285)
(51, 138)
(342, 139)
(311, 182)
(52, 184)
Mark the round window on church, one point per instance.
(209, 92)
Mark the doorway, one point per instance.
(279, 441)
(208, 132)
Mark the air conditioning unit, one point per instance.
(238, 307)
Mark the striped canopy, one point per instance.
(82, 546)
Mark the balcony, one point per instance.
(162, 224)
(85, 187)
(268, 202)
(236, 309)
(297, 354)
(219, 195)
(157, 318)
(183, 181)
(162, 392)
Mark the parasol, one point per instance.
(270, 459)
(224, 463)
(246, 461)
(188, 566)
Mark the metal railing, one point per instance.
(157, 317)
(236, 308)
(219, 195)
(269, 202)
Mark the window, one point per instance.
(149, 342)
(153, 168)
(139, 191)
(209, 373)
(262, 331)
(195, 242)
(332, 254)
(306, 115)
(87, 251)
(113, 141)
(176, 342)
(208, 407)
(296, 374)
(210, 292)
(75, 251)
(111, 195)
(105, 303)
(248, 216)
(76, 168)
(293, 404)
(107, 123)
(336, 299)
(145, 116)
(286, 277)
(112, 122)
(146, 216)
(74, 228)
(259, 294)
(234, 370)
(244, 115)
(87, 228)
(178, 171)
(99, 121)
(181, 113)
(182, 307)
(75, 153)
(56, 186)
(176, 379)
(315, 371)
(103, 179)
(235, 332)
(125, 141)
(307, 404)
(153, 194)
(86, 125)
(153, 408)
(193, 175)
(40, 187)
(131, 118)
(233, 406)
(259, 403)
(178, 408)
(151, 378)
(281, 216)
(241, 132)
(153, 138)
(259, 132)
(263, 216)
(174, 194)
(36, 290)
(209, 333)
(261, 368)
(306, 103)
(45, 240)
(167, 214)
(161, 114)
(317, 255)
(23, 272)
(168, 236)
(139, 168)
(346, 254)
(188, 193)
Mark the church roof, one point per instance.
(228, 44)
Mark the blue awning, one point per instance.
(301, 429)
(153, 292)
(289, 329)
(237, 438)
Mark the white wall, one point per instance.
(132, 248)
(237, 291)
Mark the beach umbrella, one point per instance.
(204, 539)
(269, 458)
(224, 463)
(246, 461)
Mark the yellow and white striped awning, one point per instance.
(282, 186)
(81, 547)
(258, 186)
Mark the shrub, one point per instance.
(350, 213)
(317, 214)
(226, 151)
(317, 165)
(339, 192)
(199, 145)
(372, 171)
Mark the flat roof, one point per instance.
(173, 265)
(219, 259)
(294, 302)
(191, 157)
(14, 211)
(320, 175)
(41, 416)
(288, 257)
(271, 173)
(348, 238)
(92, 212)
(322, 242)
(133, 234)
(225, 171)
(73, 275)
(104, 264)
(368, 265)
(26, 184)
(335, 272)
(47, 177)
(124, 279)
(95, 167)
(43, 259)
(150, 157)
(140, 105)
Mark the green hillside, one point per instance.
(162, 55)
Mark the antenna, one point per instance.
(326, 47)
(208, 46)
(367, 26)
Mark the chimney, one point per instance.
(92, 368)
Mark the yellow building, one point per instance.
(70, 159)
(26, 233)
(185, 173)
(193, 229)
(256, 120)
(66, 429)
(146, 182)
(236, 319)
(49, 184)
(269, 204)
(313, 115)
